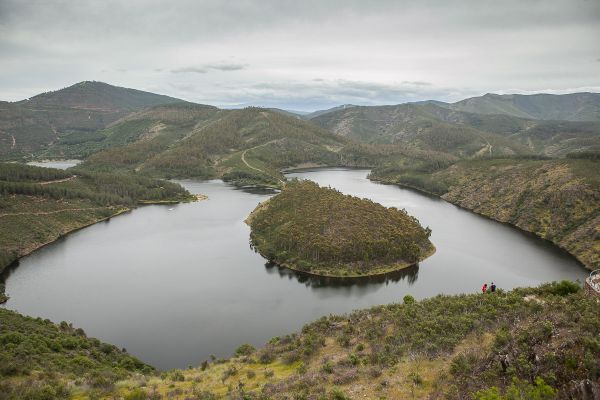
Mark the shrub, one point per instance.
(408, 299)
(244, 350)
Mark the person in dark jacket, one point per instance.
(493, 287)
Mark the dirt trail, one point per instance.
(58, 180)
(50, 212)
(255, 168)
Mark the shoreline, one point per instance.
(489, 217)
(379, 272)
(3, 269)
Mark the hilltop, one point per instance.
(568, 107)
(31, 125)
(324, 232)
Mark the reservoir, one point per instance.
(174, 284)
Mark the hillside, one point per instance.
(535, 343)
(242, 146)
(38, 205)
(324, 232)
(32, 125)
(40, 360)
(429, 126)
(568, 107)
(418, 127)
(558, 199)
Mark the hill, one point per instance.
(567, 107)
(31, 125)
(38, 205)
(324, 232)
(533, 343)
(464, 134)
(243, 146)
(558, 199)
(415, 126)
(318, 113)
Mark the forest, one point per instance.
(324, 232)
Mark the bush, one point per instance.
(408, 299)
(562, 288)
(244, 350)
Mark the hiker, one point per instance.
(484, 288)
(493, 287)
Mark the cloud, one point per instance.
(203, 69)
(301, 53)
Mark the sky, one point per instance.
(302, 54)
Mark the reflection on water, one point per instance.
(174, 284)
(411, 274)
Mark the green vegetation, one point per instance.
(463, 134)
(74, 113)
(534, 343)
(324, 232)
(557, 199)
(41, 360)
(38, 205)
(567, 107)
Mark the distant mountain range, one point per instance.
(90, 117)
(567, 107)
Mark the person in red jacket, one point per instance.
(484, 288)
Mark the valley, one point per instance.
(528, 162)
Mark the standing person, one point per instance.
(493, 287)
(484, 288)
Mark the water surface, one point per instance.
(60, 164)
(175, 284)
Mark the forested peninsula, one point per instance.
(321, 231)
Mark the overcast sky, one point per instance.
(302, 54)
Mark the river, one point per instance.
(174, 284)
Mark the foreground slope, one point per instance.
(535, 343)
(556, 199)
(39, 359)
(31, 125)
(324, 232)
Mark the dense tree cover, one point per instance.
(557, 199)
(323, 231)
(26, 173)
(36, 356)
(101, 188)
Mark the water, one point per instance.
(60, 164)
(175, 284)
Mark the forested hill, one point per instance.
(324, 232)
(463, 134)
(568, 107)
(38, 205)
(31, 125)
(249, 145)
